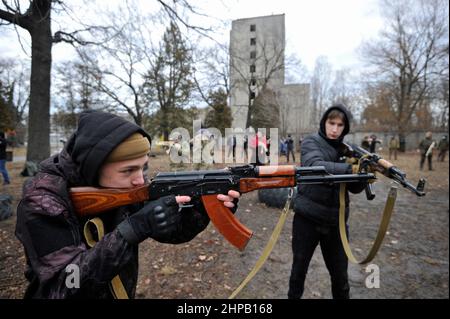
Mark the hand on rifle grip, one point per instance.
(355, 169)
(230, 200)
(156, 219)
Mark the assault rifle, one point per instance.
(379, 164)
(205, 185)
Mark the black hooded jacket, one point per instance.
(51, 233)
(320, 203)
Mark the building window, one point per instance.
(252, 27)
(252, 68)
(252, 41)
(253, 55)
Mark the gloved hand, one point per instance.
(368, 166)
(363, 165)
(158, 218)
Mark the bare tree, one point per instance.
(320, 87)
(378, 114)
(75, 87)
(14, 80)
(443, 102)
(117, 68)
(74, 90)
(407, 55)
(212, 72)
(36, 19)
(341, 89)
(258, 71)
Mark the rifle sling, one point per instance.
(269, 246)
(387, 213)
(116, 285)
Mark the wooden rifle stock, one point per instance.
(90, 201)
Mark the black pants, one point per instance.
(293, 155)
(306, 235)
(422, 161)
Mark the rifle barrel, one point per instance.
(332, 179)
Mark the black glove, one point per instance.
(193, 221)
(158, 218)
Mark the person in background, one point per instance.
(232, 146)
(290, 148)
(426, 147)
(365, 144)
(373, 143)
(393, 147)
(3, 170)
(443, 148)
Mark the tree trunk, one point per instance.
(165, 123)
(38, 147)
(250, 108)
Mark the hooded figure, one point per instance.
(321, 202)
(51, 232)
(316, 207)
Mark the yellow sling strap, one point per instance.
(269, 247)
(387, 213)
(116, 285)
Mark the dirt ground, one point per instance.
(412, 262)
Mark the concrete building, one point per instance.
(257, 51)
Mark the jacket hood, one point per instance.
(98, 133)
(347, 119)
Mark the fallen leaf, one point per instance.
(167, 270)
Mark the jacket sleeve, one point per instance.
(53, 242)
(312, 155)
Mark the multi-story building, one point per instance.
(257, 63)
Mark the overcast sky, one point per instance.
(333, 28)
